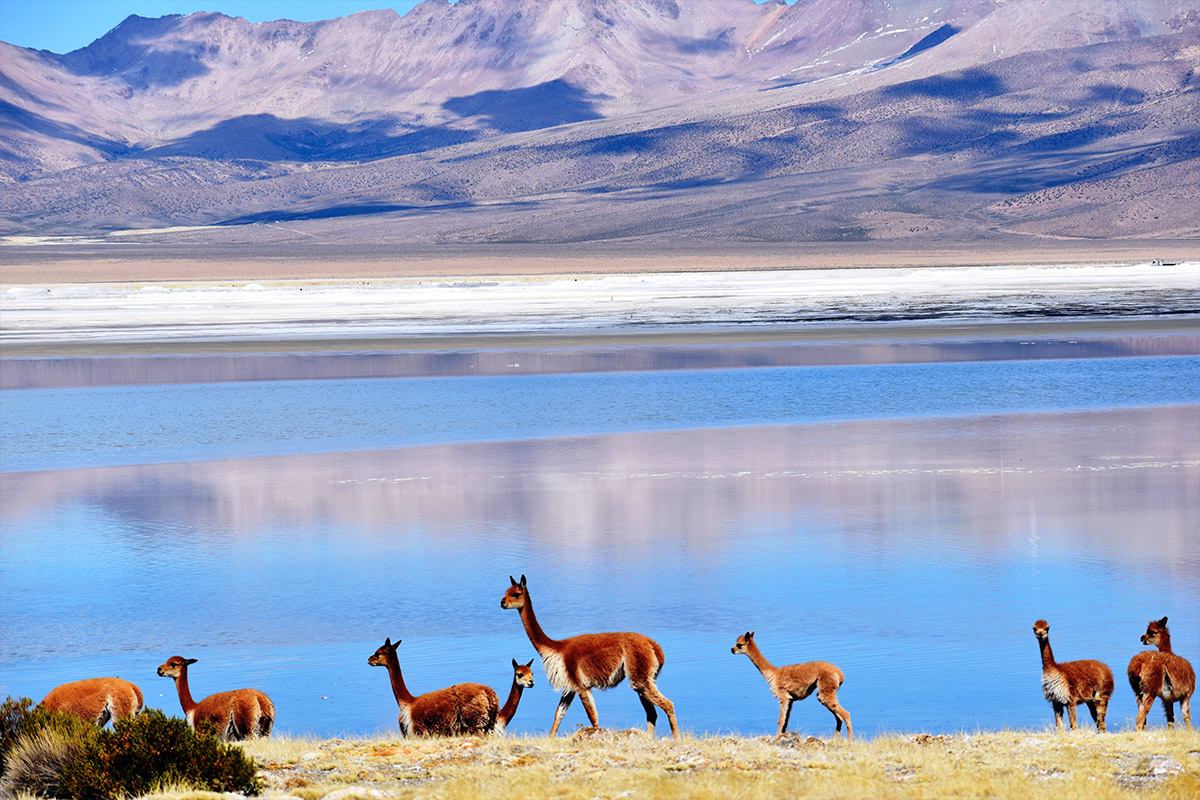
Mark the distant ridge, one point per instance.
(619, 120)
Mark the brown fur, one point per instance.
(579, 664)
(462, 709)
(522, 680)
(1073, 683)
(96, 700)
(1161, 673)
(238, 714)
(796, 682)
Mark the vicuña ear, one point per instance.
(514, 663)
(522, 581)
(750, 635)
(190, 661)
(1162, 623)
(512, 580)
(529, 663)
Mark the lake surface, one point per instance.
(907, 521)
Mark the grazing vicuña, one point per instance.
(96, 699)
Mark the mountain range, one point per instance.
(655, 121)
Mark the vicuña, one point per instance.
(1161, 673)
(579, 664)
(796, 682)
(1073, 682)
(96, 700)
(462, 709)
(238, 714)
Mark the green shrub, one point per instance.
(12, 714)
(142, 753)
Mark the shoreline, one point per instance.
(611, 310)
(166, 256)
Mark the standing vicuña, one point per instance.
(238, 714)
(796, 682)
(522, 680)
(1074, 682)
(579, 664)
(96, 699)
(462, 709)
(1161, 673)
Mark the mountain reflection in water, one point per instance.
(914, 553)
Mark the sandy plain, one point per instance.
(152, 255)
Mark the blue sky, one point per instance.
(65, 25)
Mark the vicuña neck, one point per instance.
(185, 693)
(403, 696)
(760, 661)
(1047, 653)
(1164, 641)
(510, 705)
(536, 635)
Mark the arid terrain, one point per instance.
(627, 764)
(594, 130)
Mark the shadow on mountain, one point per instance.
(970, 85)
(1025, 172)
(332, 212)
(1118, 95)
(932, 40)
(13, 117)
(265, 137)
(721, 43)
(531, 108)
(127, 52)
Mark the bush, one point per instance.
(36, 746)
(12, 714)
(151, 750)
(35, 765)
(54, 754)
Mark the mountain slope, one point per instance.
(528, 121)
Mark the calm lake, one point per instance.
(907, 521)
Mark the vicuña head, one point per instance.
(1157, 635)
(238, 714)
(385, 653)
(1160, 673)
(593, 661)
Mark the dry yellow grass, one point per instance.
(620, 764)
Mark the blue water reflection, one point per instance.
(906, 522)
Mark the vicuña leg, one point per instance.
(1058, 712)
(1071, 715)
(1169, 707)
(840, 715)
(1185, 711)
(785, 713)
(650, 692)
(1144, 703)
(564, 703)
(589, 705)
